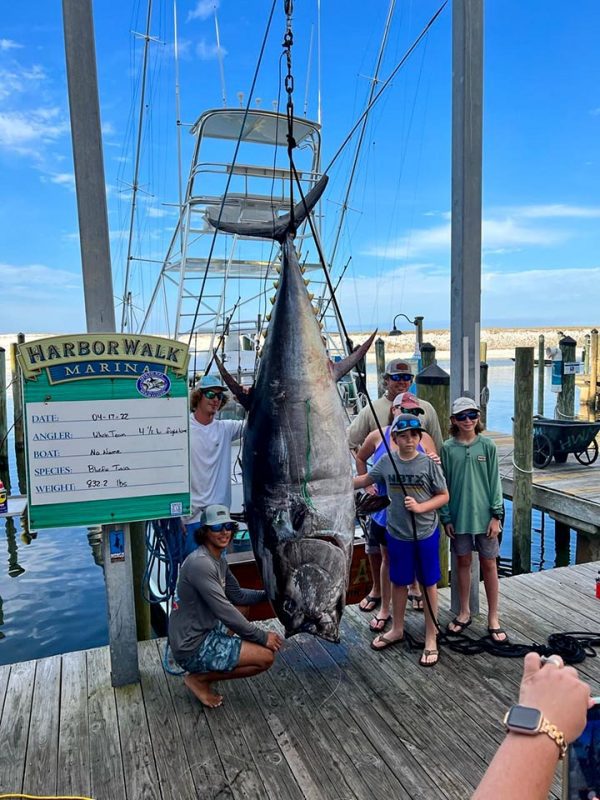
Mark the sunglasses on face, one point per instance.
(228, 526)
(406, 424)
(466, 415)
(210, 395)
(404, 376)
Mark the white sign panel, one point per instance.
(572, 367)
(107, 449)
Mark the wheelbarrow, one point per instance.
(557, 438)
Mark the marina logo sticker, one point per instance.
(153, 384)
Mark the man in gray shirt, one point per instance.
(204, 609)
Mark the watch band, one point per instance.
(557, 736)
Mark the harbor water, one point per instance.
(52, 597)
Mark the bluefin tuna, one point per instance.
(296, 465)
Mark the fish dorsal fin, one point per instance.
(244, 396)
(278, 228)
(340, 368)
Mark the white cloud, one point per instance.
(19, 79)
(203, 10)
(558, 211)
(61, 179)
(9, 44)
(207, 52)
(24, 133)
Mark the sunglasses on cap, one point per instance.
(210, 394)
(401, 376)
(228, 526)
(405, 424)
(466, 415)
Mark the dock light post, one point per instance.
(418, 323)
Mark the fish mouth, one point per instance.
(311, 597)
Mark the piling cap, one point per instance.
(464, 404)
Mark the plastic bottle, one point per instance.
(598, 585)
(3, 499)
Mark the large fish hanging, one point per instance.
(296, 466)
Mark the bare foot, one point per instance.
(203, 691)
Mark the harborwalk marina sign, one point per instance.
(106, 429)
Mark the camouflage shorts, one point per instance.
(219, 652)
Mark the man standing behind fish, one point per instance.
(210, 452)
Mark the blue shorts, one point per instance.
(405, 565)
(219, 652)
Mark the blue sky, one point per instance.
(541, 240)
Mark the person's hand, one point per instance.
(434, 457)
(274, 641)
(372, 489)
(493, 529)
(558, 692)
(411, 504)
(449, 528)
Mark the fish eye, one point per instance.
(289, 605)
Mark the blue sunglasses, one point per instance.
(228, 526)
(401, 376)
(406, 424)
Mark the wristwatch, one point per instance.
(531, 721)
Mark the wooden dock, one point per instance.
(570, 492)
(328, 721)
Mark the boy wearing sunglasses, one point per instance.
(209, 604)
(474, 514)
(210, 452)
(416, 488)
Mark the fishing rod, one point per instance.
(222, 336)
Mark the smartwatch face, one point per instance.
(523, 718)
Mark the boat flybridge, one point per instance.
(219, 284)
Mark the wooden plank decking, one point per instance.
(571, 490)
(340, 722)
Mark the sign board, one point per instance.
(106, 429)
(572, 367)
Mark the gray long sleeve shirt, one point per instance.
(206, 593)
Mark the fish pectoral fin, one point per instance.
(340, 368)
(243, 395)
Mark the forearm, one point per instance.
(361, 481)
(435, 502)
(522, 767)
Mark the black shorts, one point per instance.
(376, 537)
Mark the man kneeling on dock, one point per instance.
(209, 605)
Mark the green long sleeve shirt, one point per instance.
(473, 479)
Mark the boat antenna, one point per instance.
(220, 59)
(384, 85)
(136, 170)
(363, 130)
(319, 61)
(310, 46)
(178, 120)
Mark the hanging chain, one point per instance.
(288, 41)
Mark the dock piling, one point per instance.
(565, 403)
(3, 415)
(380, 364)
(593, 372)
(427, 355)
(541, 375)
(484, 392)
(522, 460)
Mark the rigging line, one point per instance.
(385, 84)
(136, 170)
(335, 288)
(363, 130)
(230, 175)
(178, 116)
(220, 59)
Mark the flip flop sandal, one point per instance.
(386, 642)
(372, 604)
(498, 632)
(426, 654)
(377, 624)
(418, 599)
(458, 624)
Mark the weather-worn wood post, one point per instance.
(3, 416)
(483, 352)
(586, 354)
(523, 460)
(587, 548)
(484, 392)
(562, 543)
(427, 355)
(138, 564)
(380, 364)
(593, 368)
(433, 385)
(541, 374)
(565, 404)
